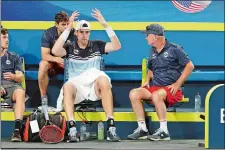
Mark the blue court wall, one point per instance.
(205, 48)
(137, 11)
(201, 47)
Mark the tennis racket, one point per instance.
(50, 133)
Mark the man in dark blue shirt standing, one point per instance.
(11, 77)
(51, 65)
(169, 67)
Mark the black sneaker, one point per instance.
(138, 134)
(159, 135)
(73, 135)
(112, 136)
(16, 137)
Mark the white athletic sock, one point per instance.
(110, 117)
(163, 126)
(142, 125)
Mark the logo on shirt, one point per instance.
(8, 62)
(68, 41)
(153, 55)
(166, 54)
(76, 51)
(90, 50)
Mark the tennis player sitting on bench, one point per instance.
(11, 78)
(86, 81)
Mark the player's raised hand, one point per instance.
(74, 16)
(97, 15)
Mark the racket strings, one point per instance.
(51, 134)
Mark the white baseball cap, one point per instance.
(83, 24)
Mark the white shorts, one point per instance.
(85, 85)
(85, 93)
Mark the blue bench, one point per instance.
(137, 75)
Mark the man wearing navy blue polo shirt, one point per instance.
(51, 65)
(169, 67)
(11, 89)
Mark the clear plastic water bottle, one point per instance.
(44, 102)
(102, 65)
(197, 102)
(88, 131)
(83, 129)
(100, 130)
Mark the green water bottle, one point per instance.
(100, 130)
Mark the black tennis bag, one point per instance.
(58, 119)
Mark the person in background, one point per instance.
(52, 65)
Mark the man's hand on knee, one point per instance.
(3, 92)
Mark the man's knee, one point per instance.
(135, 95)
(69, 89)
(43, 65)
(19, 94)
(103, 83)
(158, 96)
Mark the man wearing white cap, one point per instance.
(83, 67)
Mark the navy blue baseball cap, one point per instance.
(155, 29)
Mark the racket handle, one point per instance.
(46, 113)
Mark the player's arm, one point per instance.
(189, 67)
(58, 49)
(18, 76)
(115, 44)
(19, 72)
(186, 73)
(184, 61)
(45, 53)
(149, 75)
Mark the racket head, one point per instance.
(51, 134)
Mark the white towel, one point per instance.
(85, 79)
